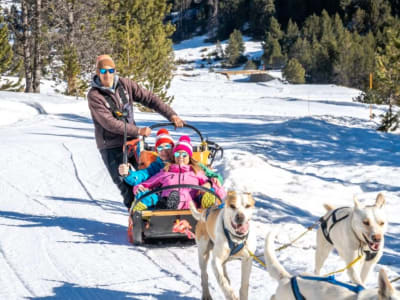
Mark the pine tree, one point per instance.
(6, 56)
(272, 56)
(301, 50)
(233, 14)
(143, 48)
(388, 79)
(235, 48)
(292, 33)
(71, 70)
(274, 29)
(250, 65)
(6, 53)
(260, 12)
(294, 72)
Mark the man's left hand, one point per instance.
(178, 122)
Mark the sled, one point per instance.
(148, 225)
(157, 224)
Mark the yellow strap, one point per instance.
(257, 259)
(345, 268)
(300, 236)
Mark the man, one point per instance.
(110, 102)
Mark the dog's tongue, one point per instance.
(374, 246)
(243, 228)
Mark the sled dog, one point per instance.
(225, 231)
(353, 232)
(317, 288)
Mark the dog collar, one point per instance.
(370, 255)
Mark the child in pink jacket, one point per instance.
(185, 170)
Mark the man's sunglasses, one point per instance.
(104, 71)
(183, 154)
(165, 147)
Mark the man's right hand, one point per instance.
(144, 131)
(123, 169)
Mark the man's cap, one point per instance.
(103, 61)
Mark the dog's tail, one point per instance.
(195, 213)
(328, 207)
(274, 268)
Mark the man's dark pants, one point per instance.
(112, 159)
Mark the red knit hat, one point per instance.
(163, 136)
(184, 145)
(104, 60)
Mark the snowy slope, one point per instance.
(63, 224)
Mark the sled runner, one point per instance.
(167, 223)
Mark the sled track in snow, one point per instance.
(184, 263)
(78, 177)
(165, 271)
(11, 267)
(27, 196)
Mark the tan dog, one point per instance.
(226, 232)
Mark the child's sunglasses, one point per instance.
(183, 154)
(165, 147)
(104, 71)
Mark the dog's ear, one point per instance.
(357, 204)
(380, 200)
(385, 288)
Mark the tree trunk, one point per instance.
(36, 48)
(213, 18)
(26, 47)
(69, 43)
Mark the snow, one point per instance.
(294, 147)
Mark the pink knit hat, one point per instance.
(184, 145)
(163, 136)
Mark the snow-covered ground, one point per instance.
(294, 147)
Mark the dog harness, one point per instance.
(335, 219)
(369, 255)
(235, 247)
(330, 279)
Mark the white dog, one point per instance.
(225, 232)
(318, 288)
(353, 232)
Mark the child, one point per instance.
(184, 170)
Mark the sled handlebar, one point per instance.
(172, 124)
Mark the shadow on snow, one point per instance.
(73, 291)
(94, 231)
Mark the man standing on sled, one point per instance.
(110, 100)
